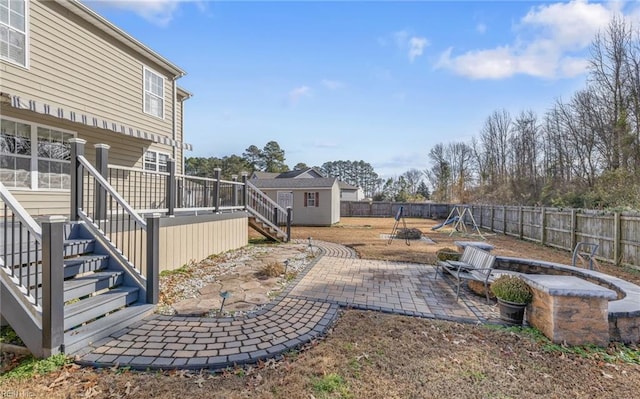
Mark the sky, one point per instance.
(378, 81)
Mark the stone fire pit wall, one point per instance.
(623, 311)
(568, 309)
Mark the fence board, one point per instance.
(563, 228)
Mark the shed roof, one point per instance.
(293, 183)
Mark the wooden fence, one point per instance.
(616, 233)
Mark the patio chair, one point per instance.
(585, 251)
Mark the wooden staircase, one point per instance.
(98, 299)
(267, 229)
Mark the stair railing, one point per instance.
(259, 205)
(31, 276)
(21, 242)
(130, 239)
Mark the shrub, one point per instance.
(512, 289)
(447, 254)
(273, 269)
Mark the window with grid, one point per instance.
(156, 161)
(311, 199)
(153, 93)
(33, 156)
(13, 31)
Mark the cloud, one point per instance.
(158, 12)
(550, 38)
(406, 41)
(416, 47)
(332, 84)
(481, 28)
(296, 94)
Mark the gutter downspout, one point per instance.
(175, 120)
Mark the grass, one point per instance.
(331, 384)
(8, 336)
(614, 353)
(184, 270)
(31, 367)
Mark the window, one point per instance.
(156, 161)
(311, 200)
(13, 31)
(153, 93)
(34, 156)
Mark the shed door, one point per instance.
(285, 199)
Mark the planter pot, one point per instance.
(510, 312)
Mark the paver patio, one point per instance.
(303, 312)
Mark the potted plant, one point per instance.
(513, 295)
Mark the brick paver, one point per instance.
(303, 312)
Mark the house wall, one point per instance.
(124, 151)
(75, 65)
(335, 204)
(326, 214)
(349, 195)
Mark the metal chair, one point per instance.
(585, 251)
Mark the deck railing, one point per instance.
(145, 191)
(20, 246)
(130, 239)
(168, 193)
(203, 193)
(31, 275)
(267, 210)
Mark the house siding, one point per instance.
(76, 66)
(124, 151)
(326, 214)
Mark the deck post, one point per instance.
(77, 149)
(102, 165)
(234, 198)
(245, 191)
(289, 218)
(216, 189)
(171, 187)
(52, 285)
(153, 259)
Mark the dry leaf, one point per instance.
(199, 381)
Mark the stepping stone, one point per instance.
(249, 285)
(232, 286)
(257, 297)
(236, 296)
(212, 288)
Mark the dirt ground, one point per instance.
(375, 355)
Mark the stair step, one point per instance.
(72, 267)
(86, 285)
(78, 246)
(85, 264)
(99, 305)
(82, 337)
